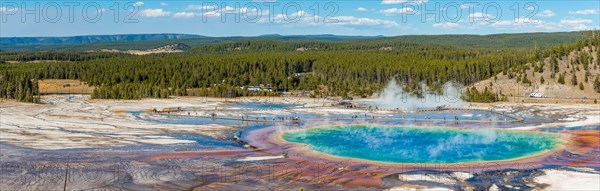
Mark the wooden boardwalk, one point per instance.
(512, 118)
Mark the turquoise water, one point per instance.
(422, 145)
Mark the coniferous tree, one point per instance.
(597, 84)
(561, 79)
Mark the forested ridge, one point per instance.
(496, 41)
(221, 70)
(266, 45)
(56, 56)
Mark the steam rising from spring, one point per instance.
(393, 96)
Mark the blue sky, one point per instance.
(251, 18)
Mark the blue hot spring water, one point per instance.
(422, 144)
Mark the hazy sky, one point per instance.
(250, 18)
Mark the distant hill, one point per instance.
(15, 41)
(149, 44)
(566, 71)
(517, 40)
(149, 41)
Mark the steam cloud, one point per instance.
(393, 96)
